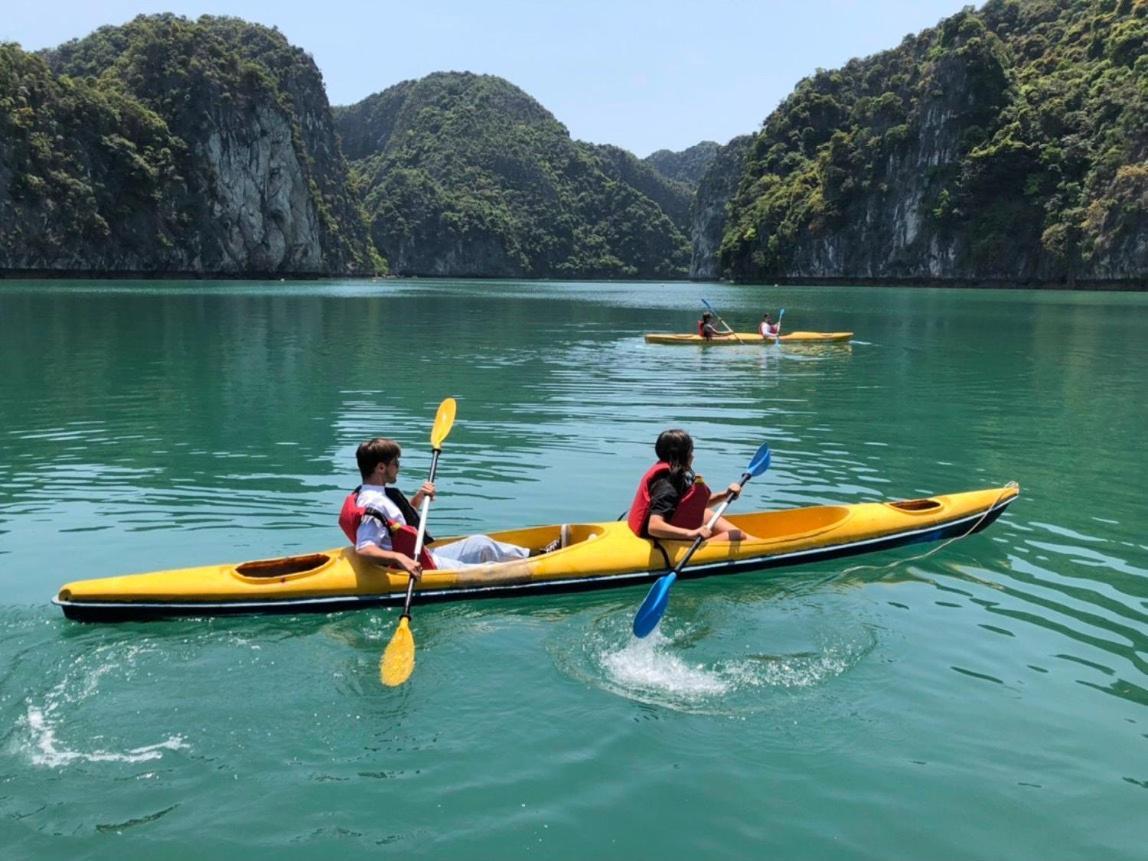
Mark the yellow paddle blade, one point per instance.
(443, 420)
(399, 659)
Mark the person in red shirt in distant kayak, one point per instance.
(673, 503)
(707, 329)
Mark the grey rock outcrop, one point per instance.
(219, 157)
(710, 209)
(994, 148)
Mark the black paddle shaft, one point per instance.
(411, 582)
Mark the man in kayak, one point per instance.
(384, 522)
(769, 330)
(672, 502)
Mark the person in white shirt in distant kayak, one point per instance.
(382, 523)
(769, 330)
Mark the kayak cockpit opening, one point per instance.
(916, 505)
(283, 566)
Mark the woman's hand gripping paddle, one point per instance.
(654, 607)
(398, 660)
(728, 330)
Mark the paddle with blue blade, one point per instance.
(398, 661)
(780, 314)
(723, 322)
(658, 598)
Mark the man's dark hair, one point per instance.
(375, 451)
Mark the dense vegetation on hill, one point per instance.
(467, 175)
(80, 168)
(687, 166)
(173, 145)
(1006, 143)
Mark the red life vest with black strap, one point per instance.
(701, 328)
(403, 535)
(689, 514)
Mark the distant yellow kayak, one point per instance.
(599, 555)
(746, 338)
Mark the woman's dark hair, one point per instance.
(375, 451)
(675, 447)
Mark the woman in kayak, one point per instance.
(769, 330)
(382, 522)
(672, 502)
(707, 329)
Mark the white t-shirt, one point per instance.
(371, 530)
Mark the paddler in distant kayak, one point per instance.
(707, 330)
(672, 502)
(768, 329)
(382, 523)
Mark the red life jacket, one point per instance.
(701, 328)
(403, 536)
(689, 514)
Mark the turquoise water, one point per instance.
(986, 701)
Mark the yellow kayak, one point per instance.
(599, 555)
(747, 338)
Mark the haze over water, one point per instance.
(989, 700)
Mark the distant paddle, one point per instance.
(780, 314)
(398, 660)
(658, 598)
(723, 322)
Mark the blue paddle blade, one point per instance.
(760, 462)
(654, 607)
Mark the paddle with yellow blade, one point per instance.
(399, 658)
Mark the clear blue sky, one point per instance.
(640, 75)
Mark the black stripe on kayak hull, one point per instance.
(123, 611)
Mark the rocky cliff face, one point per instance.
(708, 213)
(237, 168)
(1001, 146)
(890, 229)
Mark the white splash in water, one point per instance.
(645, 665)
(795, 671)
(42, 722)
(47, 751)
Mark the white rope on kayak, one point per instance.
(1012, 485)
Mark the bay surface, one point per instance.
(989, 700)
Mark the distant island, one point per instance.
(1007, 145)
